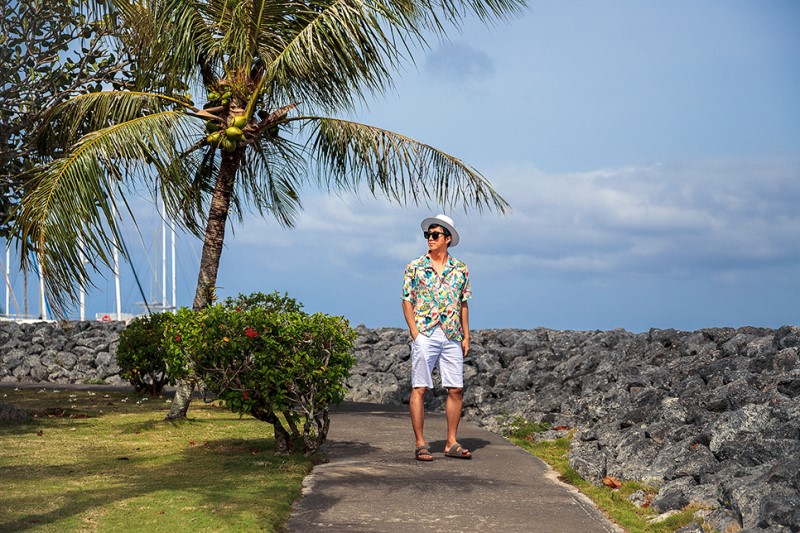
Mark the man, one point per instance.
(435, 293)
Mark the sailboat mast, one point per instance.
(174, 292)
(116, 267)
(42, 301)
(83, 291)
(8, 277)
(163, 255)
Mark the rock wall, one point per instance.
(59, 352)
(710, 416)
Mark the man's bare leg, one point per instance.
(416, 405)
(453, 412)
(455, 400)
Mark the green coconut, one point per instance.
(234, 133)
(239, 121)
(227, 144)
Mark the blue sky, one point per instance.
(650, 152)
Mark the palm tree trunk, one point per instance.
(209, 263)
(215, 229)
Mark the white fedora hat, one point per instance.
(445, 222)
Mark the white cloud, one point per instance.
(659, 217)
(705, 219)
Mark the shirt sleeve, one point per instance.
(466, 290)
(409, 288)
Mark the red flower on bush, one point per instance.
(177, 338)
(250, 332)
(245, 395)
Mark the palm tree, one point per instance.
(268, 73)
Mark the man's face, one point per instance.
(437, 241)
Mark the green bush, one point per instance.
(271, 302)
(141, 353)
(264, 357)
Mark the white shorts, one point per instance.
(428, 352)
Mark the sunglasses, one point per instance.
(433, 235)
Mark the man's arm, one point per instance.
(465, 327)
(408, 314)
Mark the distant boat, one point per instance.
(111, 317)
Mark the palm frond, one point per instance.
(186, 188)
(172, 41)
(64, 124)
(435, 15)
(77, 196)
(350, 155)
(271, 178)
(236, 21)
(329, 53)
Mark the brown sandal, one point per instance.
(458, 452)
(422, 454)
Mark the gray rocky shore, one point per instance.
(710, 416)
(59, 352)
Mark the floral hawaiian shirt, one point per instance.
(437, 299)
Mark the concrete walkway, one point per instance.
(373, 483)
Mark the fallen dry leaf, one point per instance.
(611, 482)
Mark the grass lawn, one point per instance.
(106, 461)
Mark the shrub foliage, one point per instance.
(265, 357)
(141, 354)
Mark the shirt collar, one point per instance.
(429, 263)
